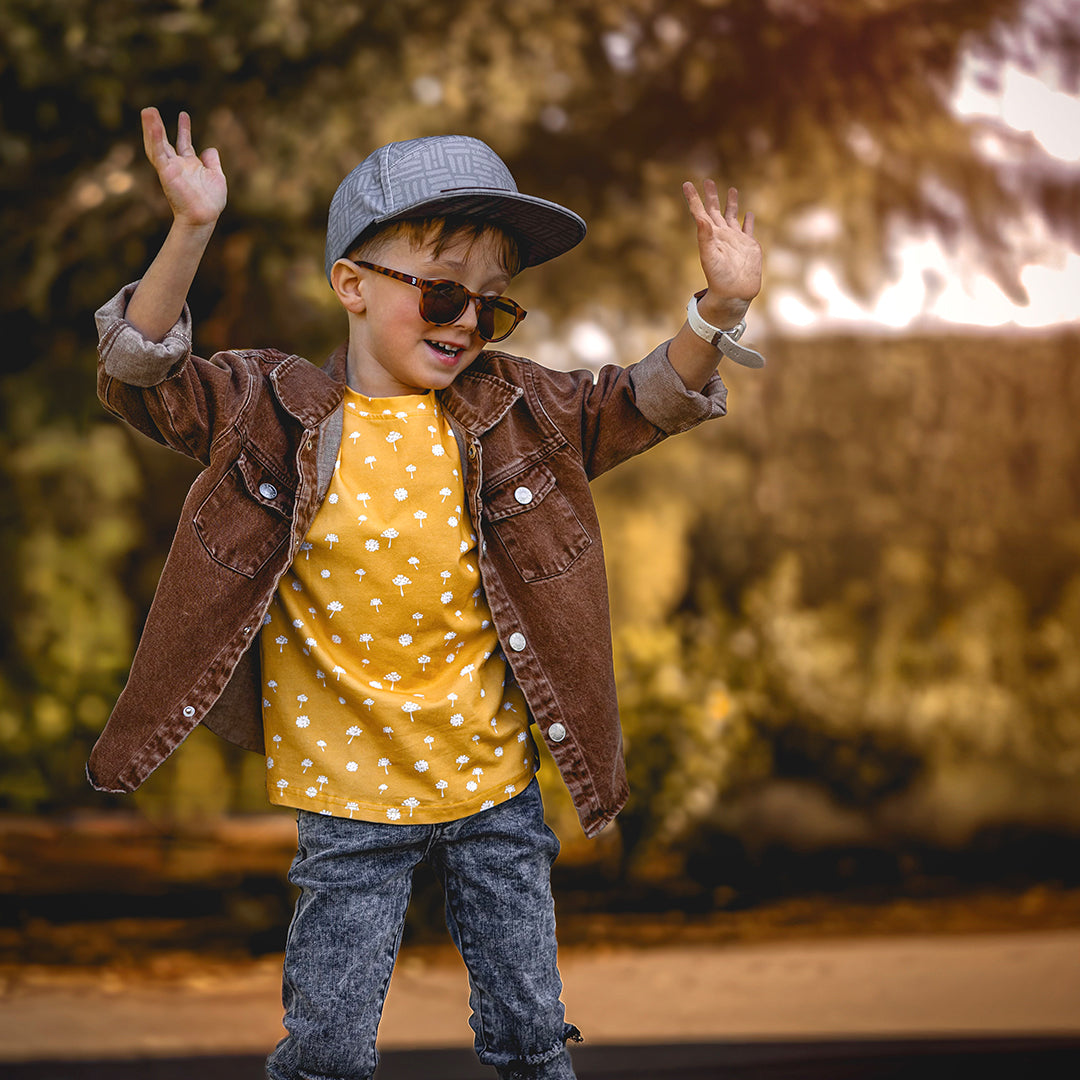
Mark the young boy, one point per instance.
(397, 554)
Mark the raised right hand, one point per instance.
(195, 186)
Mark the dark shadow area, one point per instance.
(886, 1059)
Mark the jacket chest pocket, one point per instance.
(536, 523)
(246, 517)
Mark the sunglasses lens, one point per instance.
(497, 319)
(442, 302)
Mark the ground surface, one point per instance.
(808, 987)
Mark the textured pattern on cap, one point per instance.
(441, 175)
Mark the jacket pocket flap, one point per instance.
(263, 486)
(521, 492)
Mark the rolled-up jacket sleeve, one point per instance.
(161, 388)
(129, 356)
(665, 401)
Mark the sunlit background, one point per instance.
(847, 617)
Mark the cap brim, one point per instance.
(545, 229)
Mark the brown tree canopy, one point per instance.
(606, 105)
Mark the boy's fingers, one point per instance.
(731, 207)
(183, 134)
(748, 223)
(211, 159)
(693, 199)
(712, 196)
(155, 143)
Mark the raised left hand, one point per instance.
(730, 256)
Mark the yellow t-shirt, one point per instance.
(386, 697)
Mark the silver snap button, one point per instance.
(268, 491)
(523, 496)
(517, 641)
(189, 710)
(556, 733)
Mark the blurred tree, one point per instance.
(831, 111)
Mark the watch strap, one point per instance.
(724, 341)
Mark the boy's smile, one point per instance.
(393, 350)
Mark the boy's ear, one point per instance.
(348, 284)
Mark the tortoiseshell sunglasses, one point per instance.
(442, 301)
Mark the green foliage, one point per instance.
(880, 594)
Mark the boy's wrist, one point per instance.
(722, 312)
(193, 230)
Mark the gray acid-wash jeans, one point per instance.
(355, 879)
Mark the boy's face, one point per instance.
(392, 349)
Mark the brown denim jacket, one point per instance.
(267, 428)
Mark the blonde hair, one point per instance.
(437, 234)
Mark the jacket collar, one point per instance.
(478, 399)
(308, 392)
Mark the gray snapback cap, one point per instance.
(443, 175)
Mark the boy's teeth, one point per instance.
(450, 350)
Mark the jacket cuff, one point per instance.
(130, 357)
(664, 400)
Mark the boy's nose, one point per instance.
(469, 314)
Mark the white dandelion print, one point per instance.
(390, 535)
(410, 707)
(400, 580)
(393, 813)
(334, 607)
(401, 494)
(420, 516)
(352, 732)
(393, 439)
(389, 733)
(384, 764)
(331, 539)
(420, 766)
(371, 545)
(412, 803)
(302, 721)
(442, 785)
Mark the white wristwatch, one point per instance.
(724, 341)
